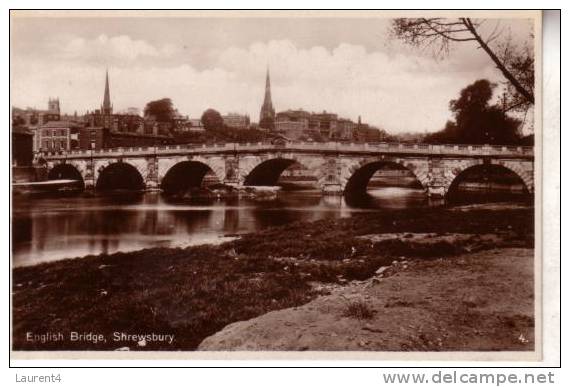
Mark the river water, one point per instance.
(49, 229)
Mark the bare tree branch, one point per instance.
(438, 33)
(500, 65)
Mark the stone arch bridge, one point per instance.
(337, 167)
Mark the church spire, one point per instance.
(107, 108)
(267, 114)
(267, 99)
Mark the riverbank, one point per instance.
(448, 304)
(192, 293)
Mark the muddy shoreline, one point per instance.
(453, 304)
(192, 293)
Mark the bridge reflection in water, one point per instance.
(50, 228)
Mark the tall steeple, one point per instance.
(107, 108)
(267, 100)
(267, 114)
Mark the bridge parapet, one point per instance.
(328, 147)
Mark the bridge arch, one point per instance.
(512, 172)
(267, 172)
(358, 175)
(66, 171)
(517, 167)
(119, 176)
(185, 175)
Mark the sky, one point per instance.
(351, 66)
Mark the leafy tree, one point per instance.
(212, 119)
(160, 110)
(476, 121)
(516, 63)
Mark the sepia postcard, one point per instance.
(276, 184)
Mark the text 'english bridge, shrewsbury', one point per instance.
(336, 167)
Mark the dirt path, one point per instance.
(479, 301)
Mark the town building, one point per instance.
(95, 138)
(267, 113)
(126, 140)
(94, 118)
(367, 133)
(157, 128)
(293, 124)
(80, 119)
(127, 123)
(344, 130)
(57, 136)
(300, 124)
(189, 125)
(31, 117)
(237, 121)
(116, 122)
(323, 123)
(195, 125)
(181, 123)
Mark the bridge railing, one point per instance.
(380, 147)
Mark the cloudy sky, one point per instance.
(351, 66)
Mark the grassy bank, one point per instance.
(193, 292)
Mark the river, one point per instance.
(49, 229)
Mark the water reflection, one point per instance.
(392, 198)
(48, 229)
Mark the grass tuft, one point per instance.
(359, 310)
